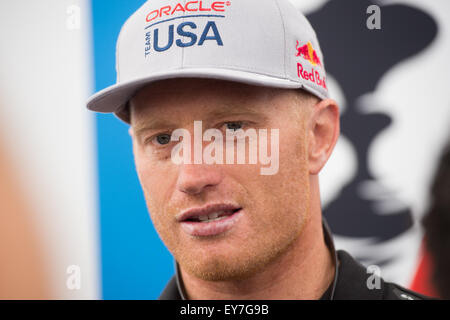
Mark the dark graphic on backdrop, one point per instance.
(357, 58)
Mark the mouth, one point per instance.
(213, 216)
(209, 220)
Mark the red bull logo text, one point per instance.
(308, 53)
(313, 75)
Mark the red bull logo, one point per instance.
(307, 52)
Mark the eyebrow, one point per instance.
(228, 111)
(235, 111)
(152, 124)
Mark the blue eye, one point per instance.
(163, 138)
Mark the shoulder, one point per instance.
(170, 292)
(356, 282)
(394, 291)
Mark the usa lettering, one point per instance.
(187, 35)
(313, 76)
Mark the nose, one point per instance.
(195, 178)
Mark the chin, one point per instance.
(228, 268)
(237, 262)
(221, 270)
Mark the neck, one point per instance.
(307, 271)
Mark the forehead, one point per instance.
(186, 95)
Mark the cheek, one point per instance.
(288, 190)
(155, 184)
(156, 194)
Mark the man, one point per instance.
(194, 76)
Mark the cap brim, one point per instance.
(114, 98)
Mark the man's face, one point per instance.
(274, 207)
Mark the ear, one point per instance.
(323, 132)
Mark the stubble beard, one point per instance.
(249, 261)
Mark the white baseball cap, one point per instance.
(258, 42)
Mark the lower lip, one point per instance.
(213, 228)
